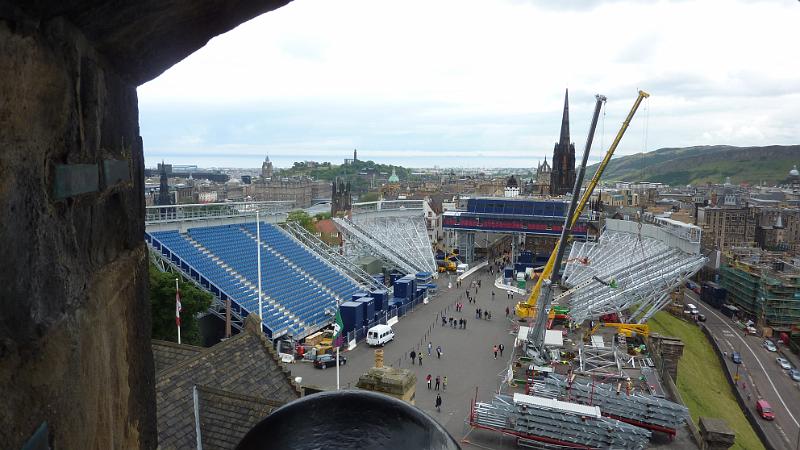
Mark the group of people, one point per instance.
(496, 348)
(454, 322)
(440, 381)
(484, 314)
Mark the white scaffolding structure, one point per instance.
(630, 270)
(394, 231)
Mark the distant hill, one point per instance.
(705, 164)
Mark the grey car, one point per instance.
(794, 374)
(783, 363)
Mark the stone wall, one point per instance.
(75, 326)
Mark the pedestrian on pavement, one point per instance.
(490, 315)
(413, 356)
(444, 320)
(438, 403)
(430, 347)
(508, 295)
(492, 295)
(508, 311)
(439, 351)
(438, 382)
(420, 359)
(501, 348)
(494, 349)
(465, 324)
(444, 383)
(479, 283)
(428, 380)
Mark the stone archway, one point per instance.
(75, 325)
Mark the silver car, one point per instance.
(783, 363)
(770, 346)
(794, 374)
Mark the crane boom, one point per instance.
(528, 308)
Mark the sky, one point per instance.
(477, 83)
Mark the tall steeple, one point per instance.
(564, 139)
(563, 175)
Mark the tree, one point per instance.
(162, 304)
(322, 216)
(302, 218)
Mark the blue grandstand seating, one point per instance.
(305, 291)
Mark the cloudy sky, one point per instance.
(477, 83)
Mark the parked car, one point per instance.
(736, 358)
(701, 317)
(770, 346)
(783, 363)
(765, 410)
(325, 361)
(794, 374)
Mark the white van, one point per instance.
(461, 268)
(379, 335)
(692, 309)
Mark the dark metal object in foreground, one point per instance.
(348, 419)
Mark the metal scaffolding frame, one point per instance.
(331, 256)
(358, 242)
(543, 421)
(600, 360)
(629, 267)
(407, 235)
(639, 408)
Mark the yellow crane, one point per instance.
(628, 329)
(527, 309)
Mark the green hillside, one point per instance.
(705, 164)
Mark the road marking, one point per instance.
(791, 416)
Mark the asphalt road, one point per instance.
(467, 361)
(759, 375)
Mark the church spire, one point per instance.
(564, 140)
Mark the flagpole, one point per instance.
(337, 367)
(177, 312)
(258, 255)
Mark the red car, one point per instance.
(765, 410)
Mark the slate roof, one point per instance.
(166, 354)
(245, 364)
(226, 417)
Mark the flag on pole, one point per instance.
(177, 306)
(338, 339)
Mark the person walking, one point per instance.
(492, 295)
(438, 403)
(465, 324)
(508, 311)
(430, 347)
(413, 356)
(501, 348)
(420, 359)
(439, 350)
(428, 380)
(444, 320)
(444, 383)
(438, 383)
(494, 349)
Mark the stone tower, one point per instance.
(163, 189)
(341, 201)
(266, 168)
(562, 178)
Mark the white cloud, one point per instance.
(470, 64)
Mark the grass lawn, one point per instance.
(701, 382)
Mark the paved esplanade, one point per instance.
(467, 361)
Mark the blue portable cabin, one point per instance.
(352, 315)
(368, 304)
(381, 299)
